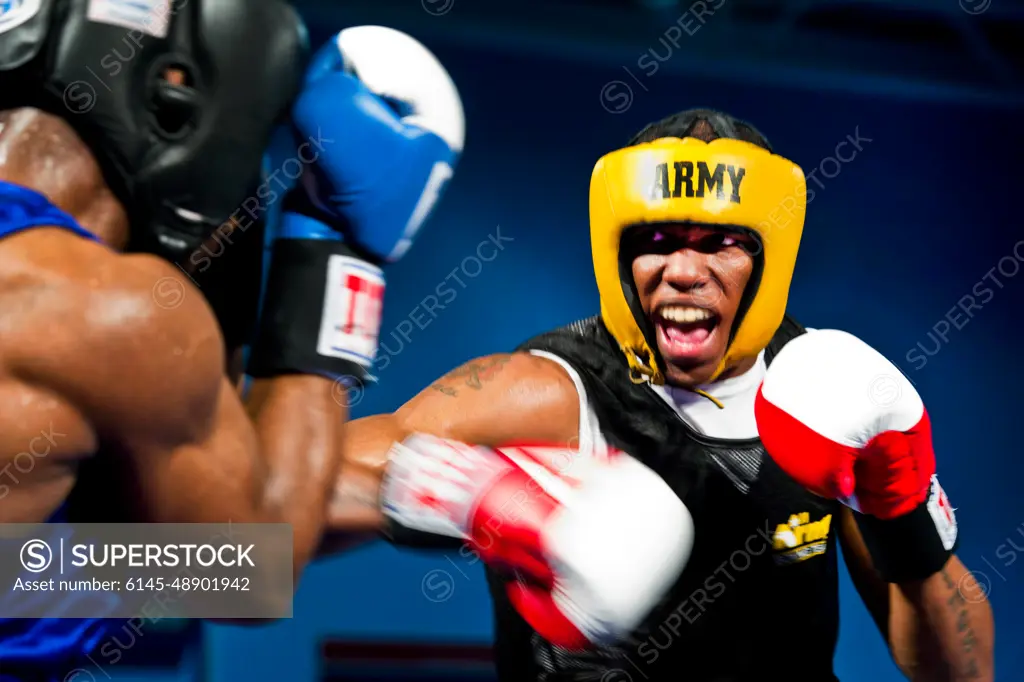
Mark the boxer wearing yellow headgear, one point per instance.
(697, 556)
(720, 187)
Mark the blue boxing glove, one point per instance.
(386, 124)
(392, 127)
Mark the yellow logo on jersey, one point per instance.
(800, 538)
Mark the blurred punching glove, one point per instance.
(389, 127)
(845, 423)
(594, 544)
(393, 129)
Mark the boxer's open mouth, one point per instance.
(685, 333)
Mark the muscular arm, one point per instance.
(493, 400)
(271, 460)
(132, 353)
(938, 629)
(153, 387)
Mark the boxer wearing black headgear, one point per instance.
(179, 153)
(168, 143)
(115, 402)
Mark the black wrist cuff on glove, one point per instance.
(290, 337)
(407, 538)
(913, 546)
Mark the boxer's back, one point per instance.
(83, 328)
(47, 308)
(67, 303)
(43, 437)
(54, 287)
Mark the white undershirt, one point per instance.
(733, 421)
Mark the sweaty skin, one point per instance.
(120, 354)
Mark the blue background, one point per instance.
(892, 242)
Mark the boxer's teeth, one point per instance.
(684, 314)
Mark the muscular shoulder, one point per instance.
(127, 339)
(497, 399)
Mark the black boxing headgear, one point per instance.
(175, 98)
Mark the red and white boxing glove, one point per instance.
(845, 423)
(595, 543)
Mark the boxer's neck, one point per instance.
(43, 153)
(741, 367)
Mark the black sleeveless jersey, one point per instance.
(759, 597)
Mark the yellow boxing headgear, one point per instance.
(725, 183)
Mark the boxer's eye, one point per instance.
(664, 240)
(717, 241)
(649, 240)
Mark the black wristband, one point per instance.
(407, 538)
(913, 546)
(311, 283)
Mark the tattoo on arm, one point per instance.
(471, 375)
(958, 606)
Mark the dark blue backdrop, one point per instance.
(893, 242)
